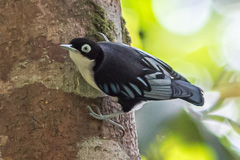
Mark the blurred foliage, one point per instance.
(170, 144)
(199, 39)
(174, 147)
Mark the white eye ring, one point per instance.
(86, 48)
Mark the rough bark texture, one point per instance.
(43, 97)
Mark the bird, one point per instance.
(130, 74)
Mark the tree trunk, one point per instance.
(43, 97)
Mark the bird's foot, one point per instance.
(100, 116)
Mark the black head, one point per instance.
(86, 47)
(82, 48)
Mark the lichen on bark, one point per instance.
(96, 148)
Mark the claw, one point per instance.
(118, 125)
(89, 108)
(98, 110)
(104, 36)
(100, 116)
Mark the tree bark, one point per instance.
(43, 97)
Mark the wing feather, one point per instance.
(169, 69)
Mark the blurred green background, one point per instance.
(201, 40)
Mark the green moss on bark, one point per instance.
(100, 23)
(125, 34)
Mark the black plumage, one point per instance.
(133, 75)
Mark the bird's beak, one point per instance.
(69, 48)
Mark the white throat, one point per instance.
(85, 66)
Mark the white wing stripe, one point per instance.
(105, 88)
(129, 91)
(152, 62)
(113, 87)
(143, 82)
(136, 88)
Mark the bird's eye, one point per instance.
(86, 48)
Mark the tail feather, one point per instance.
(188, 92)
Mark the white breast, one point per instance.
(85, 66)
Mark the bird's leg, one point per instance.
(104, 36)
(100, 116)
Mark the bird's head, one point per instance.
(84, 47)
(82, 50)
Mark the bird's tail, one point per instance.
(188, 92)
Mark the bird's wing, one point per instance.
(169, 69)
(130, 73)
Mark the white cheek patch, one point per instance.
(85, 67)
